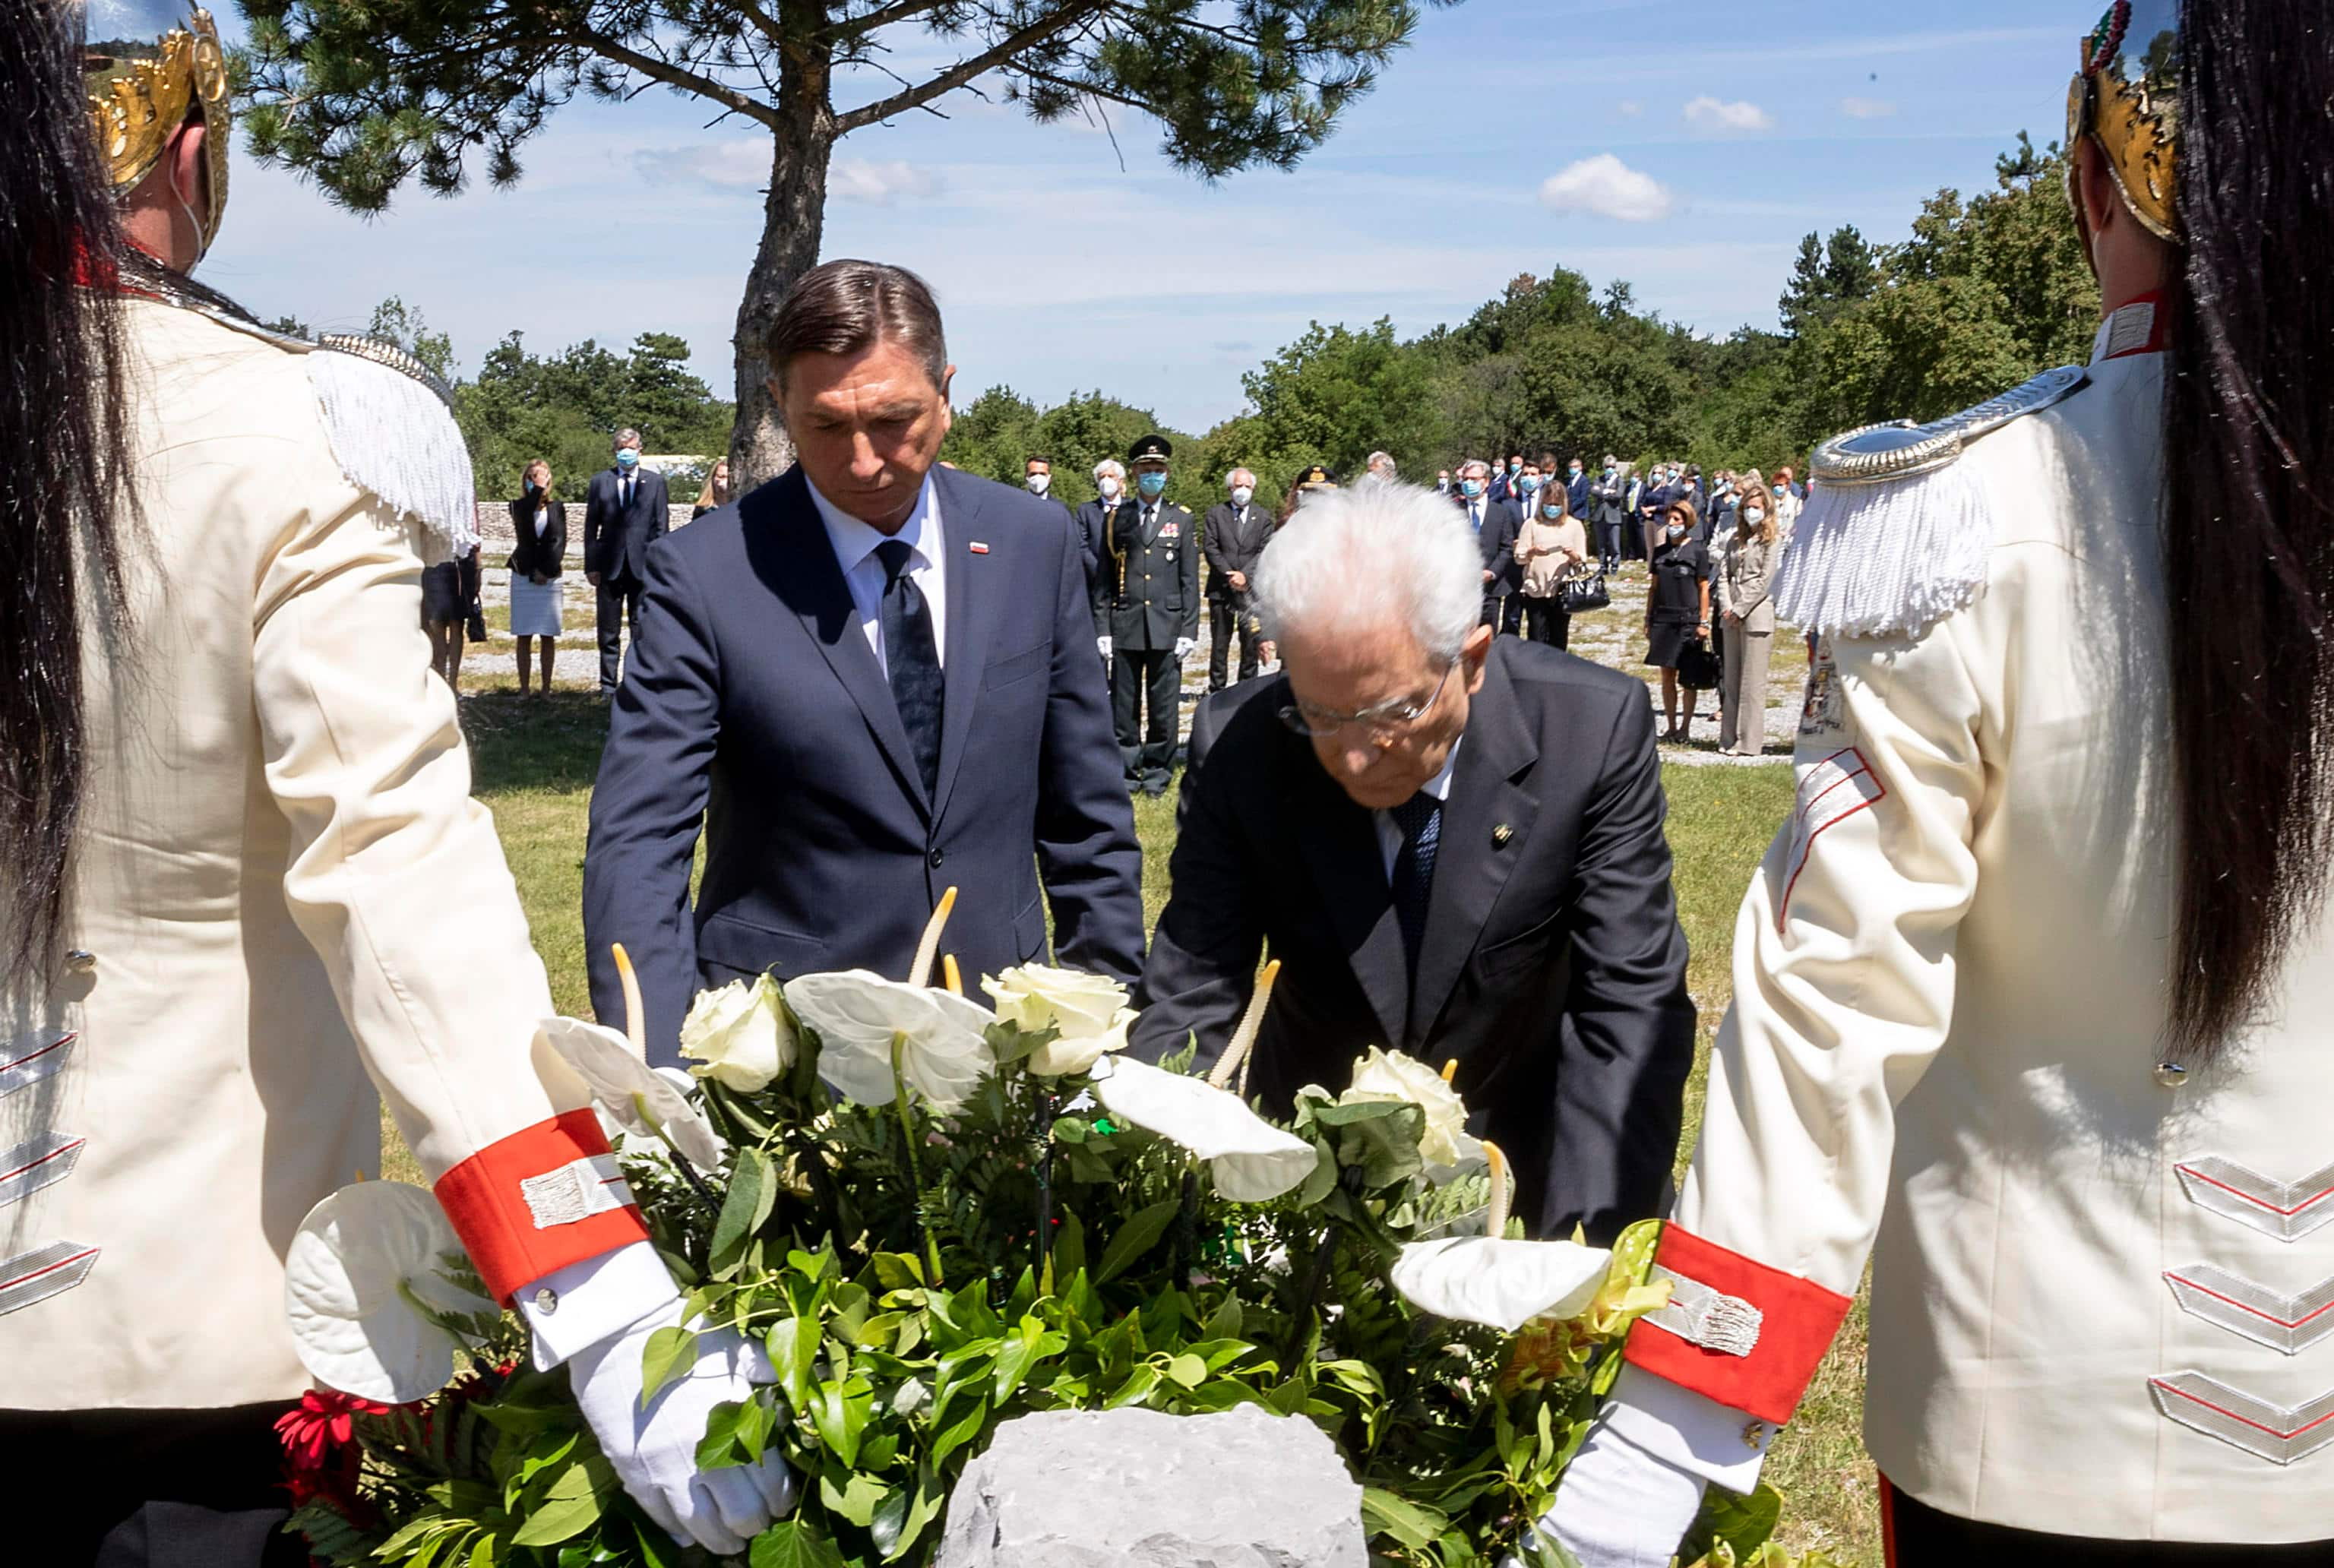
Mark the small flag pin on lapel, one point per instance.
(978, 548)
(1502, 835)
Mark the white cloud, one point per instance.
(1608, 187)
(732, 164)
(1868, 107)
(1713, 115)
(880, 184)
(1632, 108)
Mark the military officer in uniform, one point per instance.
(1147, 602)
(1235, 535)
(237, 805)
(2031, 992)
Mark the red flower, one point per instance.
(321, 1425)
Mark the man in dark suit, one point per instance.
(1576, 490)
(1094, 520)
(1233, 536)
(1496, 524)
(624, 512)
(875, 680)
(1147, 597)
(1606, 495)
(1461, 857)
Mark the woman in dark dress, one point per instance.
(539, 524)
(1677, 611)
(450, 594)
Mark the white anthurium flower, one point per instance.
(1446, 1148)
(633, 1095)
(739, 1035)
(857, 1015)
(1252, 1161)
(1502, 1284)
(360, 1270)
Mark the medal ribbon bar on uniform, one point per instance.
(1795, 1322)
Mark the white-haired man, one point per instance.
(1231, 537)
(1456, 846)
(1495, 523)
(1093, 524)
(1382, 466)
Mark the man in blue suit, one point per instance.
(874, 679)
(1496, 524)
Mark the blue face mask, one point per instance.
(1514, 463)
(1471, 488)
(627, 458)
(1151, 486)
(1530, 482)
(532, 488)
(1552, 511)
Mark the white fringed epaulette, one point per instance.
(390, 423)
(1895, 535)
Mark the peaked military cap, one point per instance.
(1151, 447)
(1316, 478)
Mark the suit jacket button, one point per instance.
(938, 856)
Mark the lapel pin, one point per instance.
(978, 548)
(1502, 835)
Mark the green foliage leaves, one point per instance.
(566, 407)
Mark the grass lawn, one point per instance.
(535, 761)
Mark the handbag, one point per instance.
(1699, 667)
(1583, 594)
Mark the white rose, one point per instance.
(739, 1035)
(1390, 1075)
(1061, 1057)
(1039, 997)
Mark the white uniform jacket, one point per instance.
(282, 896)
(2102, 1303)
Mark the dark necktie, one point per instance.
(624, 486)
(912, 658)
(1420, 818)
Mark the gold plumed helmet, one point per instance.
(2126, 97)
(148, 67)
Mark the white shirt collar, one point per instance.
(1439, 786)
(854, 541)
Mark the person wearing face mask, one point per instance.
(1747, 621)
(1575, 488)
(539, 524)
(1149, 598)
(1093, 526)
(624, 512)
(1494, 524)
(1654, 498)
(1037, 479)
(1234, 534)
(1608, 495)
(1442, 483)
(1677, 611)
(1530, 484)
(1454, 842)
(1551, 549)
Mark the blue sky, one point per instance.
(1683, 145)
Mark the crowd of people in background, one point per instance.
(1552, 531)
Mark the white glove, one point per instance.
(1183, 646)
(654, 1451)
(1103, 643)
(1620, 1507)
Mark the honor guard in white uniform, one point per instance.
(270, 893)
(2033, 987)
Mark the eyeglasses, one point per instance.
(1383, 721)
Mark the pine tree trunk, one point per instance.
(793, 220)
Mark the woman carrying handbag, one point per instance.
(1677, 618)
(1552, 549)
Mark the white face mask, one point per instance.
(1109, 488)
(1754, 516)
(1039, 483)
(1242, 495)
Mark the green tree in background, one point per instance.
(1828, 278)
(395, 322)
(565, 409)
(363, 95)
